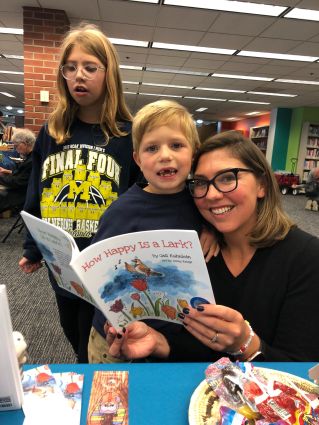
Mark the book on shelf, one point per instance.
(150, 274)
(11, 393)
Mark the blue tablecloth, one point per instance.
(159, 394)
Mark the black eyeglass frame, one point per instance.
(235, 171)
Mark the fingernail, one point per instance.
(200, 308)
(186, 310)
(123, 330)
(181, 315)
(118, 336)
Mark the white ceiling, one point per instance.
(188, 26)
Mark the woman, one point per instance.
(264, 278)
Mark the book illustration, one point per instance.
(108, 403)
(71, 385)
(140, 289)
(142, 275)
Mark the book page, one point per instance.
(108, 398)
(57, 248)
(142, 275)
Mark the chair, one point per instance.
(18, 224)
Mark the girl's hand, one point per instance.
(136, 341)
(209, 244)
(28, 267)
(220, 328)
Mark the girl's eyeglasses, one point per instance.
(89, 71)
(225, 181)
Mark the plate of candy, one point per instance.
(241, 394)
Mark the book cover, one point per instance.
(151, 274)
(11, 394)
(108, 402)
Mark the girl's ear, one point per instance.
(262, 188)
(137, 158)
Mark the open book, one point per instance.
(151, 274)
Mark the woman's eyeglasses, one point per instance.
(89, 71)
(225, 181)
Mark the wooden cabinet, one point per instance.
(308, 150)
(259, 135)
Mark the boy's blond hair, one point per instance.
(114, 110)
(163, 112)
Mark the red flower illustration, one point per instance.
(117, 306)
(135, 296)
(139, 284)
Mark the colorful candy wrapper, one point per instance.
(231, 417)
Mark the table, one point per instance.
(159, 393)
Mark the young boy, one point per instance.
(164, 142)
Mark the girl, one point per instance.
(82, 160)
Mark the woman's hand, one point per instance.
(209, 244)
(220, 328)
(136, 341)
(28, 267)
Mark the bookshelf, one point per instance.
(308, 150)
(259, 135)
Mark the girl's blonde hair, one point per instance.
(164, 112)
(272, 224)
(114, 110)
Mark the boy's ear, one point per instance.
(137, 158)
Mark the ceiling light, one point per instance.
(167, 85)
(4, 93)
(16, 31)
(9, 108)
(12, 56)
(11, 72)
(127, 42)
(160, 95)
(130, 82)
(13, 84)
(177, 71)
(253, 113)
(201, 109)
(231, 119)
(281, 80)
(307, 14)
(205, 98)
(147, 1)
(230, 6)
(226, 90)
(188, 48)
(283, 56)
(242, 77)
(129, 92)
(248, 101)
(137, 68)
(272, 94)
(199, 121)
(20, 111)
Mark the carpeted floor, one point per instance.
(32, 302)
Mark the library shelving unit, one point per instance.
(259, 135)
(308, 150)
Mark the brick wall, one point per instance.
(43, 31)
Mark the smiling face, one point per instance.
(165, 158)
(88, 94)
(233, 213)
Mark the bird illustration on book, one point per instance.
(139, 267)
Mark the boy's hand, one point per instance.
(209, 244)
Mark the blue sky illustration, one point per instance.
(173, 282)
